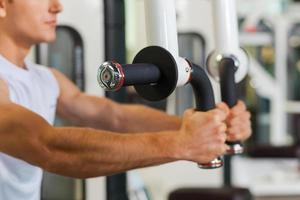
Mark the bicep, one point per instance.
(82, 109)
(69, 92)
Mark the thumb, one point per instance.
(224, 108)
(187, 113)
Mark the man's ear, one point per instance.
(2, 8)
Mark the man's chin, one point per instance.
(48, 39)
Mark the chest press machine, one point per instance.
(158, 69)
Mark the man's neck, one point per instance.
(13, 50)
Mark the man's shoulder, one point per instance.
(42, 71)
(46, 75)
(38, 68)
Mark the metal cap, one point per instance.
(213, 69)
(110, 76)
(235, 149)
(241, 62)
(216, 163)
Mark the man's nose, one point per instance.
(55, 6)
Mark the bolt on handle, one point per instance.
(112, 75)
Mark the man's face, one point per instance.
(31, 20)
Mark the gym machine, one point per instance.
(158, 69)
(228, 64)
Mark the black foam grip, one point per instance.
(203, 89)
(228, 85)
(140, 74)
(227, 81)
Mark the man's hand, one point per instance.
(202, 135)
(238, 122)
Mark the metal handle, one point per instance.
(205, 101)
(112, 75)
(227, 71)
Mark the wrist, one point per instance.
(173, 150)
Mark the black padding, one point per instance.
(140, 74)
(274, 152)
(227, 82)
(211, 194)
(228, 85)
(203, 89)
(164, 60)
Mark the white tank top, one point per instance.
(37, 90)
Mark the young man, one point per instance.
(30, 95)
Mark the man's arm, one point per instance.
(75, 151)
(82, 153)
(103, 113)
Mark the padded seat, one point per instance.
(274, 152)
(211, 194)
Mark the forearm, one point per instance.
(138, 118)
(105, 114)
(89, 153)
(79, 152)
(102, 113)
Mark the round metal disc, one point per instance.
(169, 76)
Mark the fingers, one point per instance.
(222, 128)
(217, 115)
(239, 108)
(237, 120)
(239, 133)
(239, 124)
(221, 110)
(206, 133)
(223, 107)
(214, 151)
(218, 146)
(188, 113)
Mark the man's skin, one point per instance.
(87, 152)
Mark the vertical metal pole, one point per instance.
(161, 28)
(278, 106)
(226, 26)
(115, 47)
(114, 10)
(226, 34)
(161, 24)
(226, 44)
